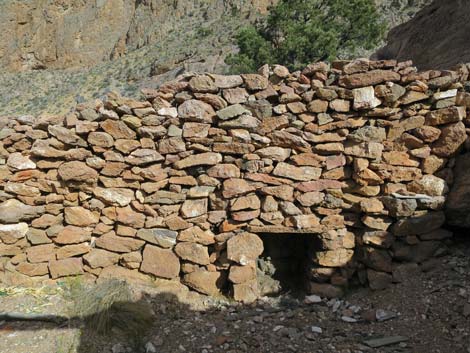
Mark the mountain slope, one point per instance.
(54, 53)
(437, 37)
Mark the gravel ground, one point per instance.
(428, 312)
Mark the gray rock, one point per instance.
(14, 211)
(232, 112)
(159, 236)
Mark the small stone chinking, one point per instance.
(357, 155)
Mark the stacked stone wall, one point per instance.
(357, 155)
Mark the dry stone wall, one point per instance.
(356, 156)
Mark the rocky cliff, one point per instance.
(58, 34)
(437, 37)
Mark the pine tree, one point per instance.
(298, 32)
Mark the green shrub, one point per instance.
(298, 32)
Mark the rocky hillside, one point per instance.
(54, 53)
(436, 38)
(60, 34)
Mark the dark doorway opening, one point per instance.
(282, 267)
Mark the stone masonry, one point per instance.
(357, 155)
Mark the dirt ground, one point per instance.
(429, 312)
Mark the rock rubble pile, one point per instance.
(357, 156)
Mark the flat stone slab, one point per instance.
(287, 230)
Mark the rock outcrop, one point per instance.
(40, 34)
(354, 156)
(436, 38)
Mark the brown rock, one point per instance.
(41, 253)
(334, 258)
(371, 206)
(224, 171)
(318, 106)
(77, 171)
(111, 242)
(378, 238)
(72, 250)
(255, 82)
(65, 267)
(283, 192)
(432, 164)
(370, 78)
(235, 95)
(171, 145)
(195, 130)
(272, 123)
(101, 258)
(100, 139)
(79, 216)
(202, 84)
(399, 158)
(429, 185)
(286, 139)
(236, 187)
(451, 140)
(310, 199)
(196, 235)
(67, 136)
(160, 262)
(277, 154)
(17, 161)
(340, 105)
(194, 208)
(308, 159)
(319, 185)
(371, 150)
(297, 173)
(243, 216)
(245, 202)
(73, 235)
(118, 129)
(233, 148)
(205, 282)
(428, 133)
(193, 252)
(446, 116)
(126, 215)
(306, 221)
(379, 223)
(208, 158)
(195, 110)
(240, 274)
(11, 233)
(33, 270)
(162, 237)
(144, 156)
(247, 292)
(244, 248)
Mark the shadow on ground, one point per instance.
(105, 323)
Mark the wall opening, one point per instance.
(282, 267)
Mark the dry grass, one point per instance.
(109, 305)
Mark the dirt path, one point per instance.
(429, 312)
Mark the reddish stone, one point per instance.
(160, 262)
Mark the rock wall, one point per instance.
(356, 156)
